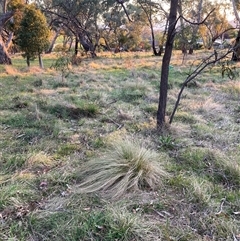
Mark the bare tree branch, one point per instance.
(206, 62)
(197, 23)
(121, 2)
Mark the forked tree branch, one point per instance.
(197, 23)
(206, 62)
(121, 2)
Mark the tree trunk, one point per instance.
(53, 41)
(9, 41)
(70, 44)
(155, 52)
(236, 53)
(4, 56)
(87, 45)
(235, 11)
(40, 61)
(162, 104)
(76, 46)
(28, 61)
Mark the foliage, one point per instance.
(33, 33)
(166, 142)
(63, 64)
(216, 24)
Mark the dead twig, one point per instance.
(221, 207)
(113, 121)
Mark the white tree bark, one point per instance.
(235, 11)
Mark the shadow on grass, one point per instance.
(63, 111)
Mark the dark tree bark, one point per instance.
(236, 52)
(162, 104)
(150, 21)
(76, 46)
(87, 45)
(28, 61)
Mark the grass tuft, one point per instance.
(125, 167)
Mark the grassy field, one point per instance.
(81, 159)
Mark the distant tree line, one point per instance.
(94, 25)
(118, 25)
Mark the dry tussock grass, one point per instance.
(180, 130)
(10, 70)
(208, 105)
(46, 91)
(94, 65)
(33, 70)
(232, 88)
(63, 89)
(125, 167)
(40, 160)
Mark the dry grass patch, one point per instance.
(127, 166)
(40, 160)
(46, 91)
(233, 89)
(10, 70)
(208, 105)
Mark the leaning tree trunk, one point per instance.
(4, 56)
(87, 45)
(236, 48)
(50, 49)
(236, 52)
(162, 104)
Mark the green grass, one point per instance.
(81, 159)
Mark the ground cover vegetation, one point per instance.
(82, 159)
(109, 141)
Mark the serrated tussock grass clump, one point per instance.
(126, 166)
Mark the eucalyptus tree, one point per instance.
(4, 56)
(121, 30)
(189, 12)
(162, 103)
(172, 30)
(9, 8)
(81, 17)
(155, 14)
(215, 25)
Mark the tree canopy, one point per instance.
(33, 33)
